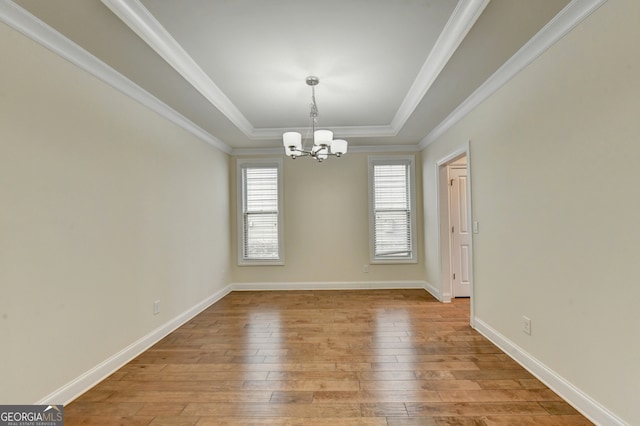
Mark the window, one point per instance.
(392, 209)
(260, 212)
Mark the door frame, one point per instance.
(442, 185)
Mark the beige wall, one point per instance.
(555, 163)
(105, 207)
(326, 226)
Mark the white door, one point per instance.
(459, 225)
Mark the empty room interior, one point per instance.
(171, 201)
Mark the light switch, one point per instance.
(476, 227)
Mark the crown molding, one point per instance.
(345, 131)
(146, 26)
(574, 13)
(464, 16)
(138, 18)
(33, 28)
(462, 19)
(568, 18)
(241, 152)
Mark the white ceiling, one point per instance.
(390, 71)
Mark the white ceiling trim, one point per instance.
(27, 24)
(138, 18)
(462, 19)
(33, 28)
(352, 149)
(341, 132)
(146, 26)
(574, 13)
(464, 16)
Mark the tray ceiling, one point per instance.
(390, 71)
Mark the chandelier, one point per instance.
(323, 143)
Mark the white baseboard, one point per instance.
(86, 381)
(574, 396)
(433, 290)
(329, 285)
(92, 377)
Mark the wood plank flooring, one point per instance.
(384, 357)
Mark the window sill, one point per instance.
(392, 261)
(261, 263)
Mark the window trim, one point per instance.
(393, 160)
(240, 195)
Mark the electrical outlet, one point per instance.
(526, 325)
(156, 307)
(365, 269)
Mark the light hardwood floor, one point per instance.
(384, 357)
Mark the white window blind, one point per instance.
(260, 210)
(392, 203)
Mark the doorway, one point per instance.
(455, 226)
(459, 237)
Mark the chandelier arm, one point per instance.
(301, 152)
